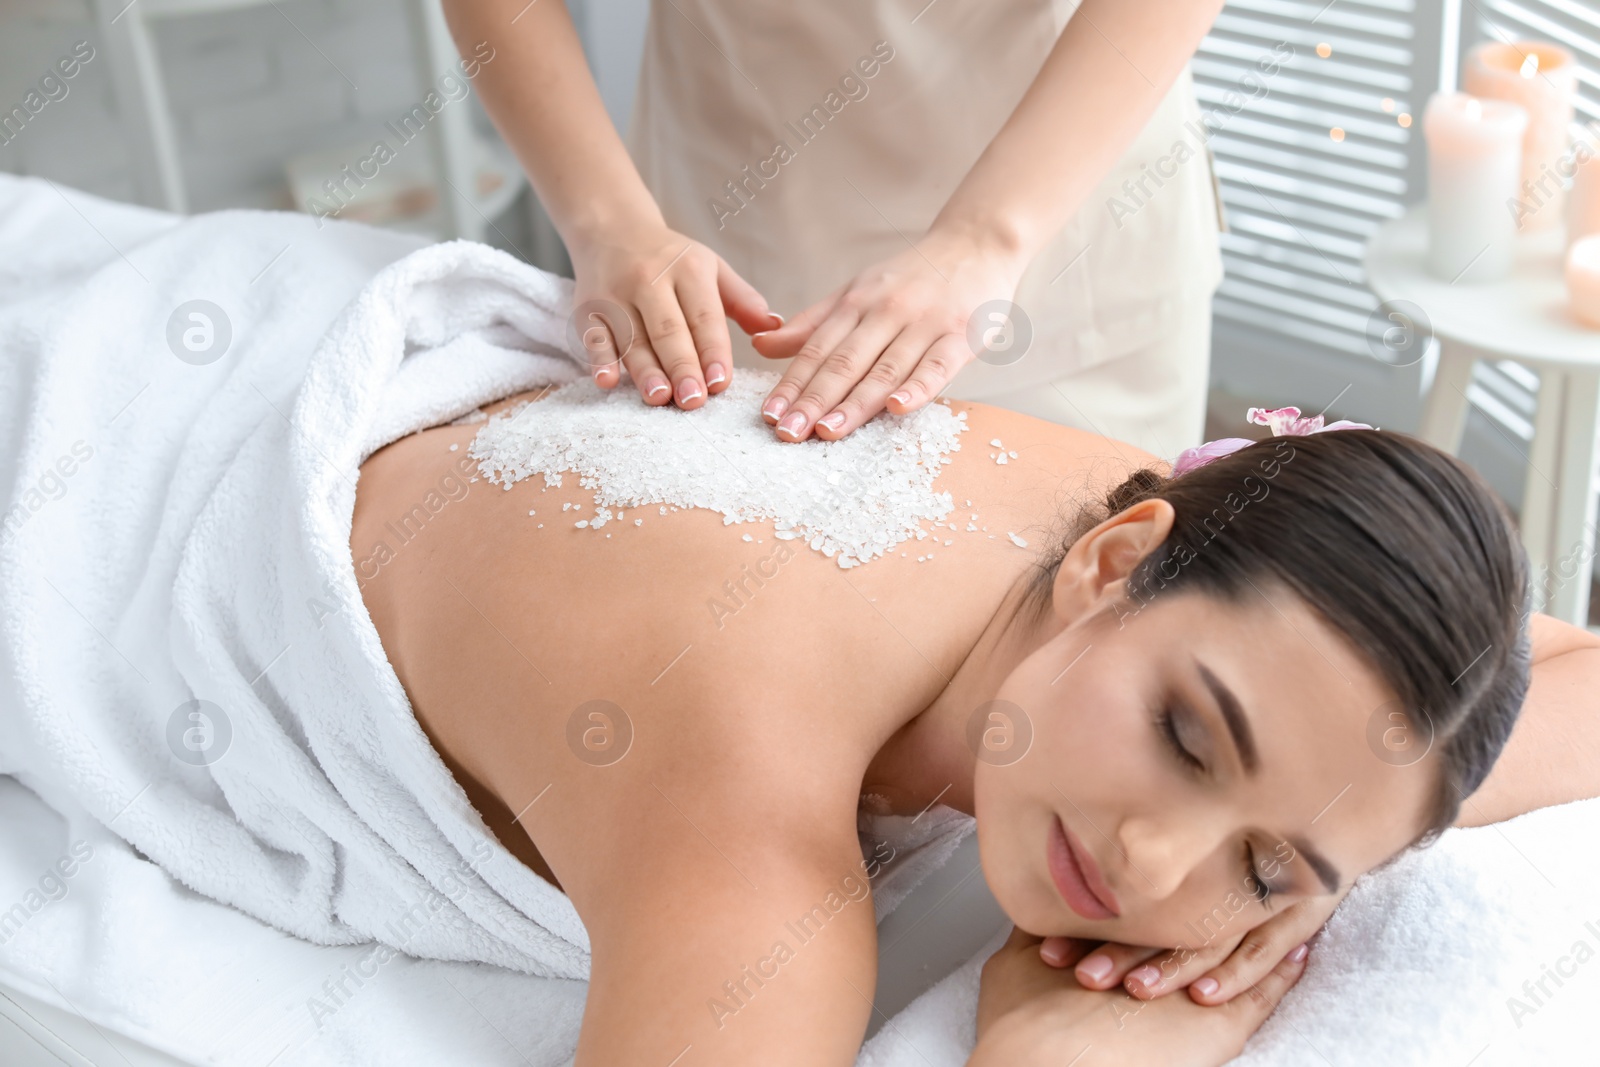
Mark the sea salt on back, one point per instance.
(852, 500)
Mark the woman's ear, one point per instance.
(1096, 567)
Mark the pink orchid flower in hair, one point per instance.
(1284, 422)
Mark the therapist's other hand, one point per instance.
(891, 338)
(679, 295)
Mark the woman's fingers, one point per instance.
(938, 366)
(646, 372)
(793, 426)
(598, 344)
(743, 303)
(1261, 999)
(673, 345)
(708, 328)
(1259, 952)
(789, 338)
(1105, 967)
(1062, 952)
(824, 384)
(871, 393)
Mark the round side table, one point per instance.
(1522, 317)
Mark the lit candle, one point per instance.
(1542, 78)
(1583, 279)
(1474, 160)
(1583, 203)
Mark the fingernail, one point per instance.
(688, 389)
(714, 374)
(794, 424)
(900, 395)
(774, 408)
(1095, 968)
(777, 319)
(657, 386)
(1146, 976)
(1207, 987)
(832, 422)
(1298, 953)
(1053, 953)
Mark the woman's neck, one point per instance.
(929, 759)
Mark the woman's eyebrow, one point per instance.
(1244, 740)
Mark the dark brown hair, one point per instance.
(1402, 548)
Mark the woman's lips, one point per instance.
(1077, 877)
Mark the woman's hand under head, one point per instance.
(1030, 1013)
(677, 295)
(1194, 765)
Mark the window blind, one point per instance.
(1324, 151)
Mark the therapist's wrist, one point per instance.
(991, 237)
(603, 224)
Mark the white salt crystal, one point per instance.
(1001, 458)
(995, 442)
(581, 523)
(1013, 455)
(638, 522)
(747, 537)
(454, 447)
(849, 499)
(1019, 542)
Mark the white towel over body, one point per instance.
(199, 550)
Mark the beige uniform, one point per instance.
(804, 144)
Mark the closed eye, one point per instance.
(1167, 725)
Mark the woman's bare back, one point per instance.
(672, 701)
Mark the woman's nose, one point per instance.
(1162, 854)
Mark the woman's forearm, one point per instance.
(542, 97)
(1108, 71)
(1553, 756)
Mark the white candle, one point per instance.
(1542, 78)
(1474, 161)
(1583, 280)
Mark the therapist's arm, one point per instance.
(896, 334)
(542, 97)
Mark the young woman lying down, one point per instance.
(1229, 692)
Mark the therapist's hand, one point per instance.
(678, 295)
(891, 338)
